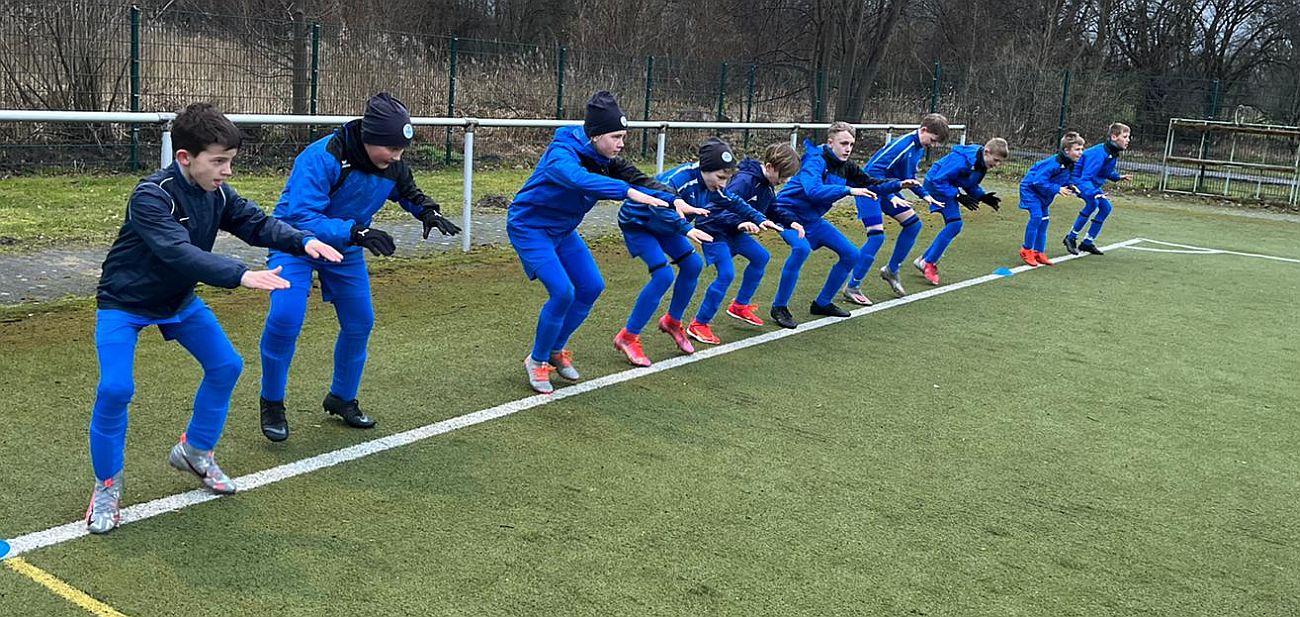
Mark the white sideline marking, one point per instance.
(1188, 249)
(76, 529)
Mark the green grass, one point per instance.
(1112, 436)
(39, 212)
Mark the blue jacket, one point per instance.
(724, 208)
(1095, 167)
(822, 180)
(898, 160)
(1046, 178)
(165, 246)
(752, 187)
(963, 169)
(568, 181)
(333, 186)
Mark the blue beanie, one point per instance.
(386, 122)
(603, 115)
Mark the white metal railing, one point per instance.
(467, 124)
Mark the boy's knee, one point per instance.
(690, 265)
(227, 369)
(589, 290)
(284, 319)
(115, 393)
(662, 276)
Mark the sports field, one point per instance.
(1114, 435)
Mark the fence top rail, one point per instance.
(1243, 127)
(14, 115)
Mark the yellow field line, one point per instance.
(60, 588)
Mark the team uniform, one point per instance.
(961, 170)
(898, 159)
(1038, 189)
(1094, 169)
(751, 186)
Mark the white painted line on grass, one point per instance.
(1188, 249)
(76, 529)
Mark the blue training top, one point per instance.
(724, 208)
(963, 168)
(1095, 167)
(1045, 179)
(822, 180)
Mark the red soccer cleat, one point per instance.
(673, 328)
(930, 272)
(702, 333)
(630, 345)
(1042, 259)
(745, 313)
(1029, 256)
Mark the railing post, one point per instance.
(165, 154)
(135, 85)
(794, 138)
(661, 148)
(559, 84)
(451, 95)
(467, 214)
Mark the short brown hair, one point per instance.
(1117, 128)
(936, 124)
(840, 127)
(1071, 139)
(200, 126)
(782, 158)
(998, 147)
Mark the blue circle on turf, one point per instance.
(4, 548)
(1003, 272)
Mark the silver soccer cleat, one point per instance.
(189, 459)
(104, 514)
(894, 283)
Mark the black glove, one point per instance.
(433, 218)
(968, 202)
(992, 200)
(377, 240)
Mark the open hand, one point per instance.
(268, 280)
(320, 250)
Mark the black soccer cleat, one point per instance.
(1089, 247)
(350, 411)
(274, 424)
(830, 309)
(1071, 244)
(781, 315)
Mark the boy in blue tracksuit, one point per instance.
(754, 183)
(658, 236)
(336, 186)
(955, 182)
(825, 177)
(580, 167)
(897, 160)
(1095, 167)
(1044, 181)
(162, 251)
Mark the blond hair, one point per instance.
(782, 158)
(937, 125)
(840, 127)
(1119, 128)
(998, 147)
(1071, 139)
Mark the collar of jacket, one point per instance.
(833, 163)
(1065, 161)
(354, 149)
(188, 187)
(980, 165)
(1112, 149)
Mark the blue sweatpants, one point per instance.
(718, 254)
(952, 225)
(816, 235)
(116, 335)
(657, 251)
(1098, 209)
(1039, 220)
(346, 285)
(565, 266)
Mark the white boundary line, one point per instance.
(1201, 250)
(77, 529)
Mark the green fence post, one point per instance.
(749, 100)
(934, 88)
(135, 85)
(722, 92)
(819, 94)
(649, 91)
(559, 84)
(1065, 106)
(315, 66)
(451, 95)
(1212, 111)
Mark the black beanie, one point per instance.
(386, 122)
(603, 115)
(715, 154)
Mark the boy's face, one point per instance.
(773, 176)
(841, 144)
(716, 180)
(992, 160)
(210, 168)
(1074, 152)
(383, 156)
(928, 139)
(609, 145)
(1121, 140)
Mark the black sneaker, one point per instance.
(274, 425)
(350, 411)
(1089, 247)
(781, 315)
(1071, 245)
(829, 310)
